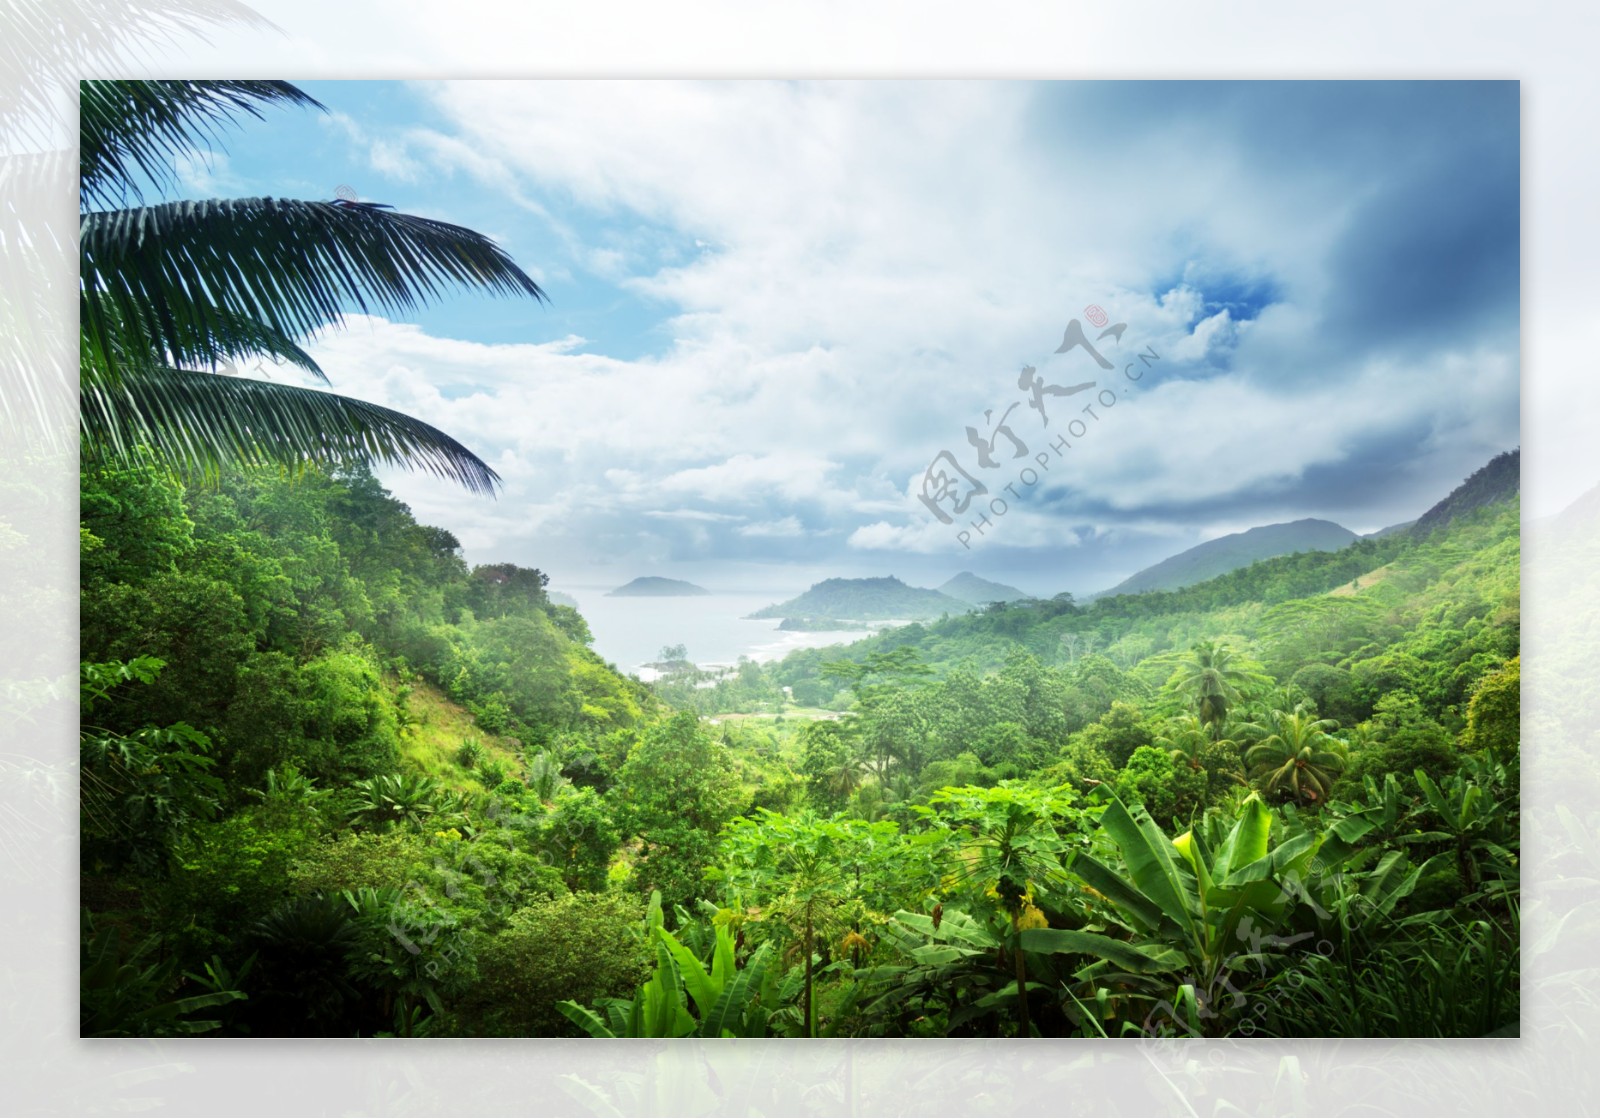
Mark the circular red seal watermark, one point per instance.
(1096, 315)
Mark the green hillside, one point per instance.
(1239, 549)
(1494, 482)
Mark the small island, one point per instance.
(863, 600)
(651, 586)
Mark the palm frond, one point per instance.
(210, 338)
(129, 129)
(162, 273)
(202, 422)
(36, 386)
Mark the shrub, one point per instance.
(470, 754)
(582, 947)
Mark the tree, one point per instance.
(829, 763)
(675, 792)
(1494, 714)
(174, 294)
(1117, 734)
(1215, 678)
(1011, 848)
(1184, 739)
(1299, 757)
(1169, 789)
(581, 946)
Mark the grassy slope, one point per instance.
(439, 726)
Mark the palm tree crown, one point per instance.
(1215, 677)
(170, 293)
(1299, 757)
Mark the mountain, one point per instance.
(1239, 549)
(1390, 531)
(980, 592)
(862, 600)
(1497, 480)
(651, 586)
(562, 599)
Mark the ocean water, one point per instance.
(631, 631)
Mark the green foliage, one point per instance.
(1117, 734)
(580, 838)
(357, 859)
(728, 1001)
(1298, 758)
(470, 753)
(1190, 906)
(1215, 678)
(581, 947)
(171, 289)
(124, 990)
(223, 874)
(394, 800)
(1011, 845)
(945, 980)
(829, 763)
(1446, 977)
(279, 776)
(1494, 715)
(1172, 792)
(675, 792)
(140, 792)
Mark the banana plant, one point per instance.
(1472, 820)
(950, 975)
(1194, 910)
(728, 1001)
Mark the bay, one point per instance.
(630, 631)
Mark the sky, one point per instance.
(776, 309)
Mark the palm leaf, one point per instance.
(201, 422)
(36, 394)
(156, 278)
(223, 339)
(133, 129)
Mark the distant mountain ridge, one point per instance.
(980, 591)
(865, 600)
(1500, 479)
(653, 586)
(1236, 550)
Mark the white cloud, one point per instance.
(209, 174)
(787, 526)
(863, 268)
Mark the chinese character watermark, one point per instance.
(949, 490)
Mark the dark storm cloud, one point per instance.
(1429, 251)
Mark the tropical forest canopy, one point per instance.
(337, 781)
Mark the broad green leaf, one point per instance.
(1247, 841)
(1135, 908)
(722, 961)
(695, 980)
(586, 1019)
(727, 1017)
(1126, 956)
(1153, 863)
